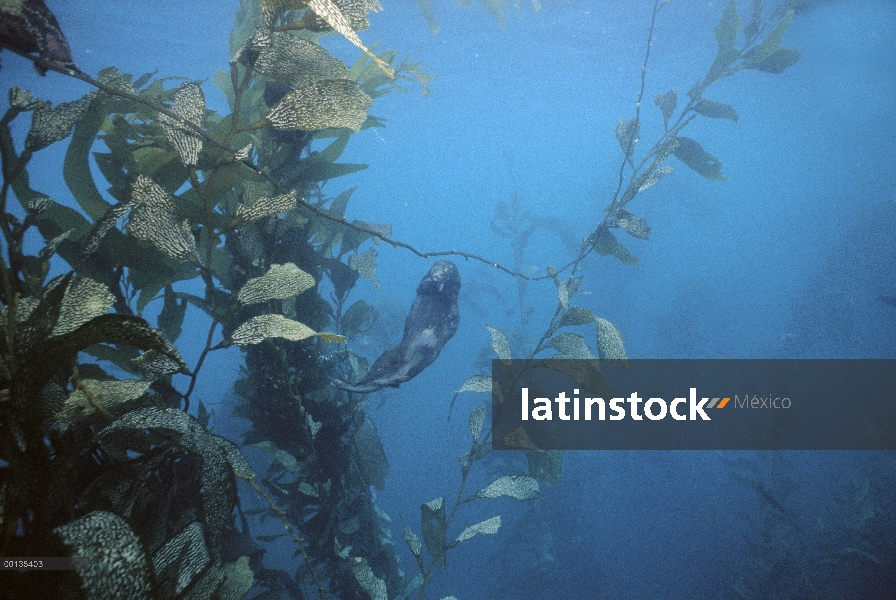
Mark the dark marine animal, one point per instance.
(29, 26)
(431, 322)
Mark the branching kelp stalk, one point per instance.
(228, 152)
(757, 52)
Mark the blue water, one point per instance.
(786, 258)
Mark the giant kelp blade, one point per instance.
(778, 62)
(477, 418)
(266, 207)
(521, 487)
(627, 134)
(330, 12)
(499, 343)
(153, 220)
(728, 28)
(425, 7)
(634, 225)
(606, 243)
(76, 168)
(84, 299)
(298, 62)
(586, 373)
(104, 538)
(699, 160)
(323, 104)
(432, 521)
(259, 328)
(412, 541)
(189, 105)
(359, 318)
(180, 560)
(666, 103)
(52, 124)
(487, 527)
(369, 582)
(94, 397)
(280, 282)
(571, 345)
(609, 341)
(545, 465)
(716, 110)
(104, 329)
(365, 264)
(751, 29)
(477, 383)
(370, 456)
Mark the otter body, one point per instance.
(431, 322)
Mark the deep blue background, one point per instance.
(787, 258)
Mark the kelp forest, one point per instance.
(223, 218)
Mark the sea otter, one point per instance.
(431, 322)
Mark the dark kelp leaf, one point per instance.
(47, 358)
(571, 345)
(359, 318)
(76, 168)
(666, 103)
(141, 430)
(694, 156)
(778, 62)
(171, 318)
(545, 465)
(724, 59)
(772, 42)
(365, 264)
(607, 243)
(627, 134)
(576, 316)
(751, 29)
(586, 373)
(370, 456)
(425, 7)
(716, 110)
(728, 27)
(432, 522)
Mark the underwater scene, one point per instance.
(259, 256)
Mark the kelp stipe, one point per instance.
(435, 518)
